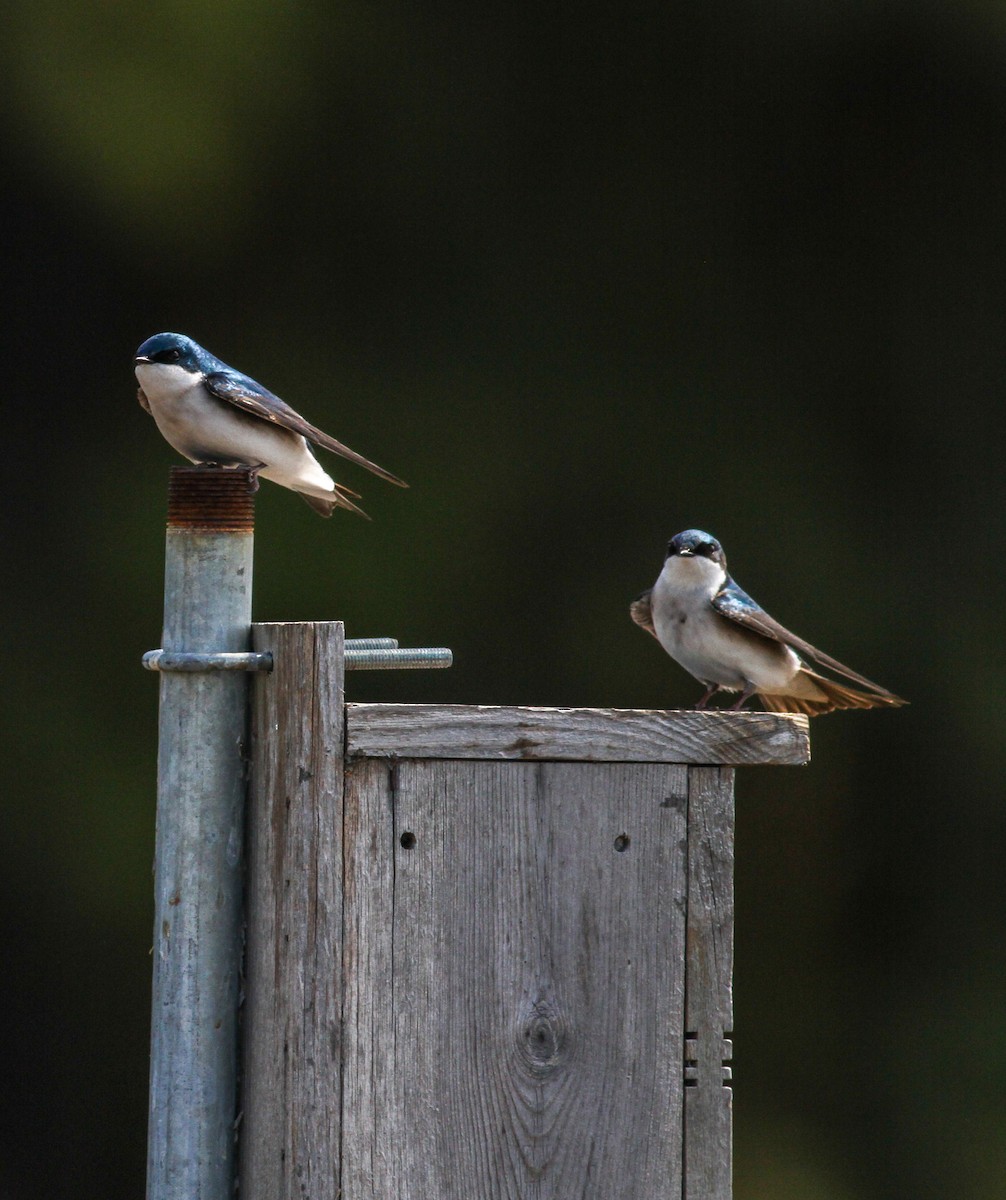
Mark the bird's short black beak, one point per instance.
(141, 358)
(686, 553)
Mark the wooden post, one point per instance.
(289, 1142)
(489, 949)
(709, 954)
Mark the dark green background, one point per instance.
(585, 275)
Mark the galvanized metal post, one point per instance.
(199, 849)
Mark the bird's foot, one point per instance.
(743, 698)
(706, 696)
(253, 480)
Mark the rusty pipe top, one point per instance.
(219, 499)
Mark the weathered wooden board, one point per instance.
(290, 1132)
(490, 950)
(514, 966)
(576, 734)
(709, 984)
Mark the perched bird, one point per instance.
(217, 416)
(728, 642)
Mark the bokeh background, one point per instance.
(585, 275)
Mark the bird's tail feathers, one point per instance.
(835, 696)
(339, 498)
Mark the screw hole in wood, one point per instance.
(408, 840)
(622, 842)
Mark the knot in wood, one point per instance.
(543, 1040)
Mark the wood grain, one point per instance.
(476, 967)
(575, 734)
(514, 963)
(709, 984)
(289, 1136)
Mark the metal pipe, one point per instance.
(198, 854)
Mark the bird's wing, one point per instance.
(642, 613)
(736, 605)
(253, 398)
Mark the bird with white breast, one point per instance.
(729, 643)
(214, 415)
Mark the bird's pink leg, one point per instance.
(707, 695)
(743, 698)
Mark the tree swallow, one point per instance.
(214, 415)
(728, 642)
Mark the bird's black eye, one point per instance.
(168, 356)
(706, 549)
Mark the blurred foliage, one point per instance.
(585, 278)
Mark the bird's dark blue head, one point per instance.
(693, 543)
(173, 350)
